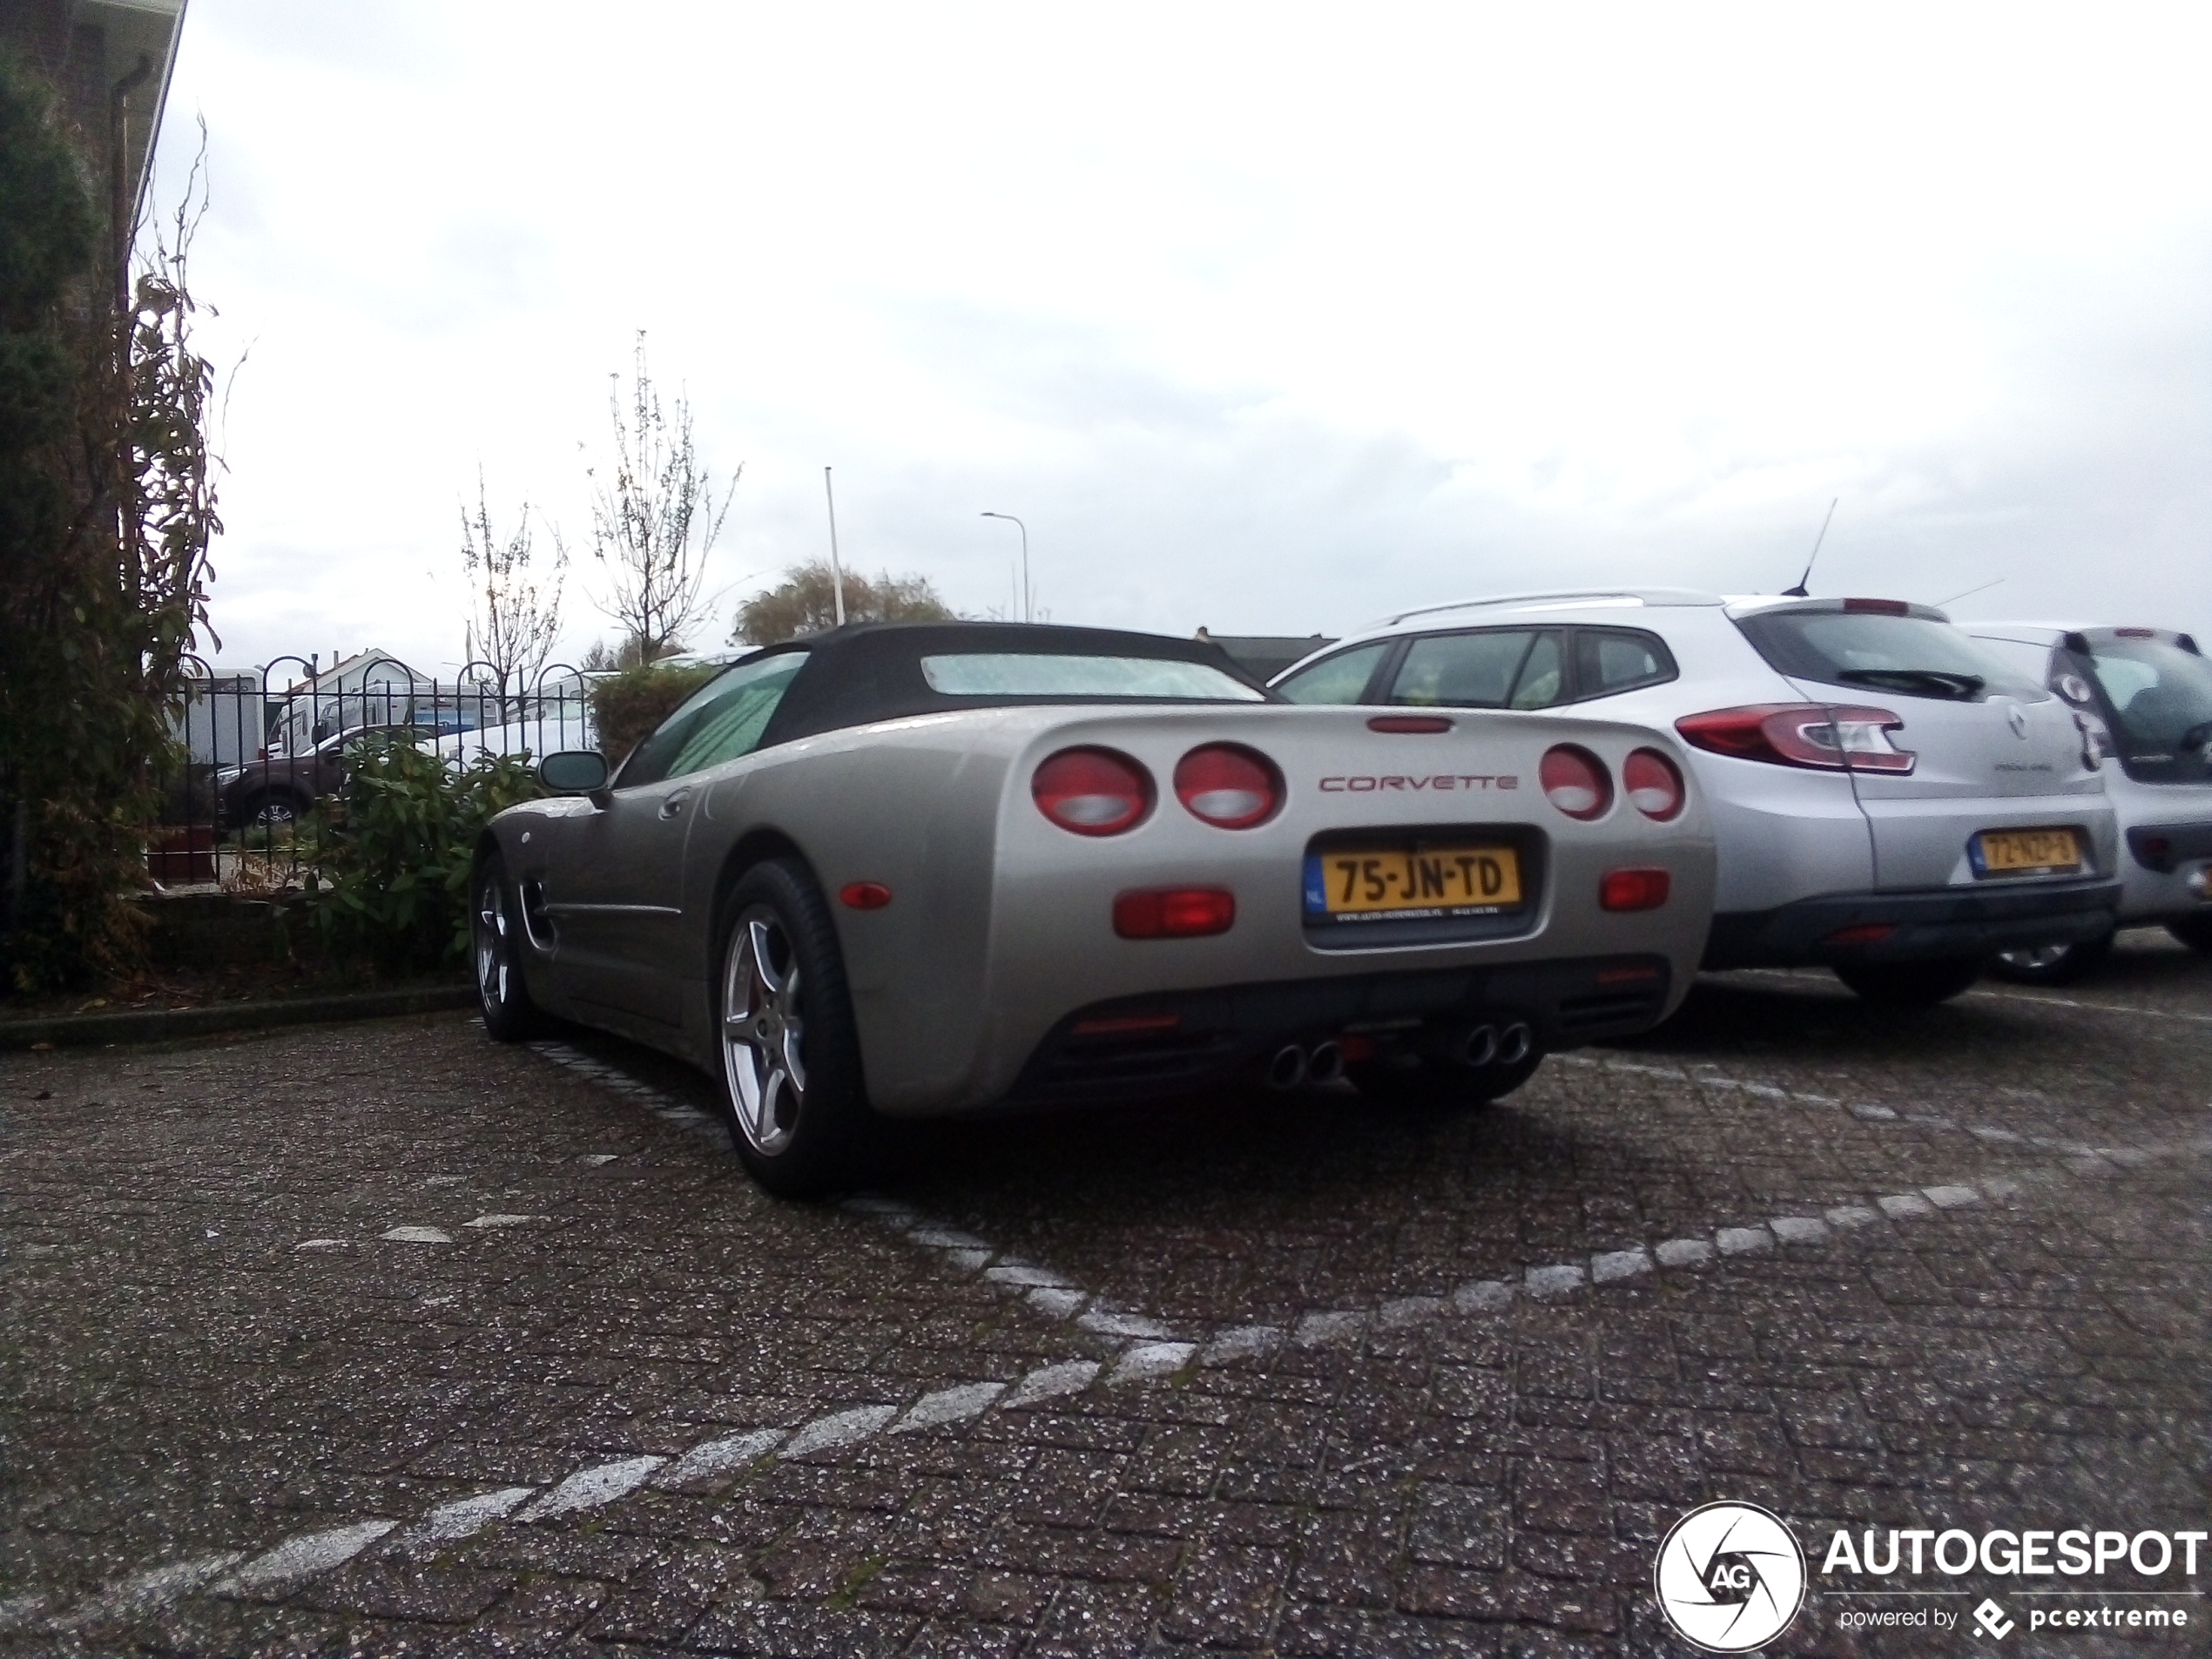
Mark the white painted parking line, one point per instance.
(589, 1489)
(839, 1430)
(305, 1557)
(418, 1236)
(713, 1458)
(156, 1586)
(466, 1517)
(1992, 993)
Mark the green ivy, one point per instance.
(389, 855)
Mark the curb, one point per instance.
(167, 1025)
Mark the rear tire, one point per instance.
(1909, 985)
(495, 948)
(2051, 964)
(1429, 1085)
(792, 1084)
(2195, 932)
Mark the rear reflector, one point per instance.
(1128, 1025)
(1653, 785)
(1092, 792)
(1862, 932)
(864, 895)
(1880, 607)
(1228, 787)
(1633, 889)
(1575, 780)
(1638, 974)
(1822, 736)
(1174, 913)
(1409, 723)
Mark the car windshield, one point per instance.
(2161, 695)
(1040, 674)
(1874, 650)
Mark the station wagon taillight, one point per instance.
(1654, 785)
(1819, 735)
(1092, 792)
(1228, 787)
(1575, 780)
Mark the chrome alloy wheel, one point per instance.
(763, 1030)
(492, 924)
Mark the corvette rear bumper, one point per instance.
(1922, 927)
(1137, 1047)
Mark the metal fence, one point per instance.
(261, 749)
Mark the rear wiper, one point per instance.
(1941, 681)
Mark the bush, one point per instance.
(390, 854)
(628, 706)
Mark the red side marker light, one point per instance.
(1861, 932)
(1174, 913)
(1634, 889)
(864, 895)
(1409, 723)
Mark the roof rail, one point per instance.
(1595, 595)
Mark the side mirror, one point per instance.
(574, 772)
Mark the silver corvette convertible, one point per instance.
(928, 869)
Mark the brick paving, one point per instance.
(1317, 1377)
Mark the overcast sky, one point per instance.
(1266, 317)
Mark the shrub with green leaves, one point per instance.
(389, 855)
(626, 707)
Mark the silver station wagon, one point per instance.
(1888, 798)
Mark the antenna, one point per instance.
(1799, 592)
(1970, 593)
(837, 571)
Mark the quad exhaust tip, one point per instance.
(1324, 1064)
(1287, 1069)
(1513, 1044)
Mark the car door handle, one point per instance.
(675, 803)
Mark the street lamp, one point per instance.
(1026, 609)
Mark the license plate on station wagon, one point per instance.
(1356, 884)
(2032, 852)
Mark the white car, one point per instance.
(2151, 687)
(1888, 798)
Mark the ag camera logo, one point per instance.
(1731, 1577)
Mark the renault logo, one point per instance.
(2018, 721)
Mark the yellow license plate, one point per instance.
(1434, 880)
(2037, 852)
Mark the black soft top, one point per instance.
(871, 670)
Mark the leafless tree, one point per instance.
(514, 609)
(654, 519)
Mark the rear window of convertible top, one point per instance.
(1039, 674)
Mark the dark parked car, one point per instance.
(275, 793)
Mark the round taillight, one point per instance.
(1575, 782)
(1092, 792)
(1653, 785)
(1228, 787)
